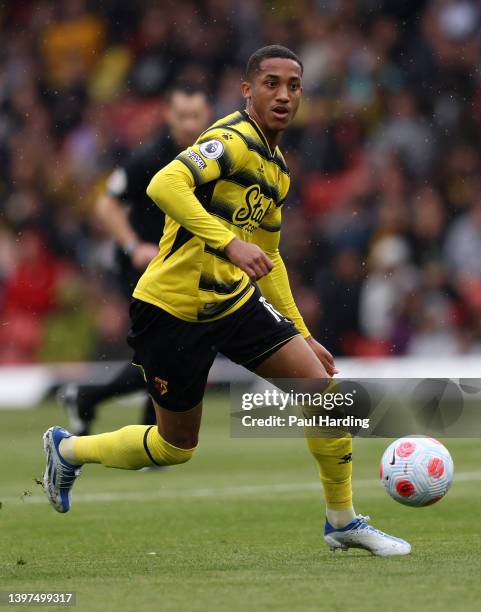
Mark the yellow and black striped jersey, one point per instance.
(228, 184)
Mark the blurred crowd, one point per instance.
(382, 229)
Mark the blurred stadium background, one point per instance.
(382, 231)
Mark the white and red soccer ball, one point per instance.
(416, 471)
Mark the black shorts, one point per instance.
(176, 355)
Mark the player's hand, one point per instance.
(143, 254)
(323, 355)
(249, 258)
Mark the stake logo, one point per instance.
(251, 212)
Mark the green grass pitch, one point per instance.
(239, 527)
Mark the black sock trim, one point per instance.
(149, 454)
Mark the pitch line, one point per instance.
(212, 492)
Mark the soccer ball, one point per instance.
(416, 471)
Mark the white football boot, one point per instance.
(59, 475)
(359, 534)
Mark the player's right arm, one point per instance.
(112, 215)
(172, 189)
(249, 257)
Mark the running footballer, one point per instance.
(223, 200)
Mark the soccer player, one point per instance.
(135, 223)
(223, 199)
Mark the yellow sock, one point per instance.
(130, 448)
(334, 457)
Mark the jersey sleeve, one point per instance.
(275, 285)
(172, 188)
(216, 154)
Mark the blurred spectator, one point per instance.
(390, 279)
(406, 133)
(71, 46)
(153, 68)
(338, 289)
(460, 173)
(434, 336)
(428, 224)
(463, 243)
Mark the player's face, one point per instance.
(187, 117)
(274, 93)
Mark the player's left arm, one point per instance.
(275, 285)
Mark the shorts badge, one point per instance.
(161, 385)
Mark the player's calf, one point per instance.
(130, 448)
